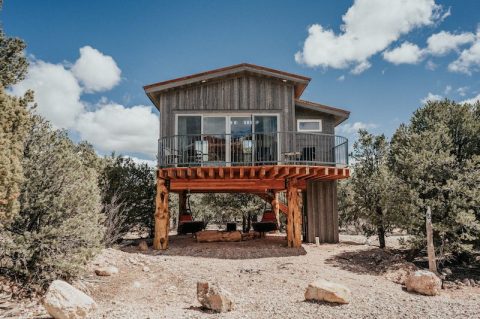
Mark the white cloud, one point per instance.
(96, 71)
(462, 91)
(113, 127)
(57, 92)
(469, 60)
(361, 67)
(150, 163)
(430, 65)
(431, 97)
(341, 78)
(473, 100)
(407, 53)
(369, 27)
(352, 128)
(443, 42)
(448, 89)
(108, 126)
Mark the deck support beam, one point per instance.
(162, 216)
(294, 218)
(276, 208)
(182, 206)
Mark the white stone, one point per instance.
(323, 290)
(106, 271)
(146, 269)
(63, 301)
(423, 282)
(213, 297)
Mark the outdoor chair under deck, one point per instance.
(267, 224)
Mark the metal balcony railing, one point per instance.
(276, 148)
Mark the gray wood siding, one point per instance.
(245, 94)
(328, 121)
(326, 153)
(321, 212)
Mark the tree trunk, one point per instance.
(208, 236)
(249, 222)
(244, 223)
(432, 262)
(380, 228)
(162, 217)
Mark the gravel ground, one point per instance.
(266, 279)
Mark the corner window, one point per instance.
(309, 125)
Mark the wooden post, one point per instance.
(432, 263)
(294, 218)
(276, 208)
(182, 206)
(162, 216)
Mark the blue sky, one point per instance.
(150, 41)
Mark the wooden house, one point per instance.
(245, 128)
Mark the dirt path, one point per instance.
(262, 287)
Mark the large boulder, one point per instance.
(323, 290)
(423, 282)
(106, 271)
(213, 297)
(63, 301)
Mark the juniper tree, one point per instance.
(373, 198)
(129, 185)
(59, 225)
(14, 127)
(438, 156)
(14, 123)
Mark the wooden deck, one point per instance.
(247, 179)
(266, 181)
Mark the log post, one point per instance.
(182, 206)
(162, 216)
(432, 263)
(294, 218)
(276, 209)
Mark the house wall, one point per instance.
(321, 212)
(325, 153)
(241, 94)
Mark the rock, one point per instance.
(136, 284)
(466, 282)
(213, 297)
(423, 282)
(146, 269)
(106, 271)
(63, 301)
(323, 290)
(447, 271)
(142, 245)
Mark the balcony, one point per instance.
(258, 149)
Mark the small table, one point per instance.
(289, 156)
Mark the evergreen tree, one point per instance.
(14, 127)
(373, 198)
(437, 155)
(14, 124)
(59, 226)
(128, 196)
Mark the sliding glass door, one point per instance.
(235, 140)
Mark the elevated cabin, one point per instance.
(244, 128)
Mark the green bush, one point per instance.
(128, 197)
(59, 226)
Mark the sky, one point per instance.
(378, 59)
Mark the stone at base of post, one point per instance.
(162, 217)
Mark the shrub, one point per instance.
(59, 225)
(128, 197)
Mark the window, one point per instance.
(309, 125)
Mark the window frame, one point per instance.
(319, 121)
